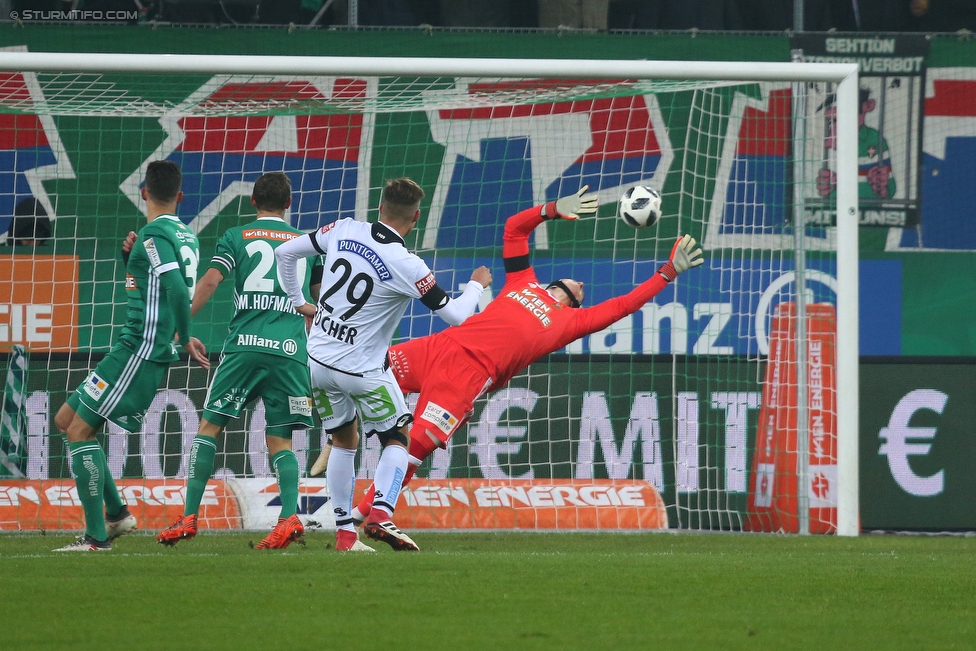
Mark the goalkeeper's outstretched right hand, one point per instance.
(684, 256)
(573, 206)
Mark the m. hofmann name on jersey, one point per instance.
(367, 254)
(264, 302)
(533, 304)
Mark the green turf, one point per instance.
(495, 591)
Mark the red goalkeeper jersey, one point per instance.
(524, 321)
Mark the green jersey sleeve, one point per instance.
(224, 258)
(178, 300)
(161, 253)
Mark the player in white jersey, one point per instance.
(368, 280)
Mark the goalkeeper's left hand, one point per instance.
(684, 256)
(573, 206)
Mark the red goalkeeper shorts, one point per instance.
(447, 378)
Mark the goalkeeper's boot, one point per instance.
(86, 544)
(287, 531)
(348, 541)
(380, 527)
(183, 529)
(120, 524)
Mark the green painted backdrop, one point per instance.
(939, 288)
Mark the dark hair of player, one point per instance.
(163, 180)
(271, 192)
(401, 198)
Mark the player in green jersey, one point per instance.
(159, 282)
(263, 356)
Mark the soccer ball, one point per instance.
(640, 206)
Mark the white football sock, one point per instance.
(388, 480)
(341, 479)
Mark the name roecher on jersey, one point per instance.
(338, 331)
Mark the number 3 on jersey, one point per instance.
(191, 261)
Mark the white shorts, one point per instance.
(374, 396)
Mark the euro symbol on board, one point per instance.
(897, 448)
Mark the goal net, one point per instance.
(728, 402)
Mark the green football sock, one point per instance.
(113, 501)
(285, 465)
(88, 467)
(202, 453)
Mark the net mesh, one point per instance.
(141, 95)
(712, 394)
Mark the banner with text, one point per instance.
(54, 504)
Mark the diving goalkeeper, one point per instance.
(527, 320)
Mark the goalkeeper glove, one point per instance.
(573, 206)
(684, 256)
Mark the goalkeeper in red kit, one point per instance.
(525, 321)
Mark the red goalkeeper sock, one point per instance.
(411, 469)
(366, 504)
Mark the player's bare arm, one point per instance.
(206, 287)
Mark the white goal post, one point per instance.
(842, 78)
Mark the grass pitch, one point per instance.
(494, 591)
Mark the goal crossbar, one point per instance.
(423, 66)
